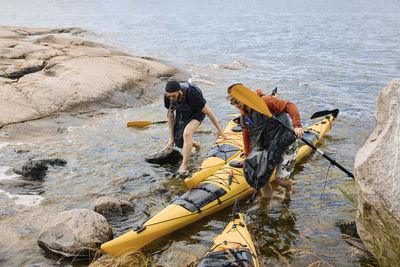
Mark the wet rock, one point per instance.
(53, 74)
(377, 165)
(75, 233)
(170, 156)
(36, 169)
(111, 207)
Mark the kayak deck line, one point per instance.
(221, 192)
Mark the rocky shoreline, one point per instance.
(50, 72)
(50, 79)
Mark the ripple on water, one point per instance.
(26, 200)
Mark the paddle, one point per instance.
(141, 124)
(318, 114)
(274, 91)
(251, 99)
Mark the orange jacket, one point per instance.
(275, 105)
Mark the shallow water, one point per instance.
(320, 55)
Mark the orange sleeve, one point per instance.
(246, 138)
(277, 105)
(246, 141)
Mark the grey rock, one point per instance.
(111, 207)
(75, 233)
(377, 164)
(36, 169)
(170, 156)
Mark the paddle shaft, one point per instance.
(140, 124)
(251, 99)
(316, 149)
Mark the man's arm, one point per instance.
(277, 105)
(206, 110)
(171, 121)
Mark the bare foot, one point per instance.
(183, 171)
(287, 185)
(287, 194)
(196, 146)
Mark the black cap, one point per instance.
(172, 86)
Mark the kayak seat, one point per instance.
(196, 198)
(236, 120)
(237, 129)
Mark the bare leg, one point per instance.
(187, 144)
(287, 184)
(266, 191)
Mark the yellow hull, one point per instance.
(219, 190)
(212, 164)
(234, 243)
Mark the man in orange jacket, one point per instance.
(278, 145)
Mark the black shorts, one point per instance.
(180, 126)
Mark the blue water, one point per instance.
(320, 54)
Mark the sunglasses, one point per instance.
(234, 102)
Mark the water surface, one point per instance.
(320, 55)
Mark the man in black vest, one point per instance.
(190, 108)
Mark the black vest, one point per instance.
(183, 111)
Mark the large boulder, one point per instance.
(75, 233)
(377, 164)
(52, 74)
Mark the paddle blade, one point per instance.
(318, 114)
(139, 124)
(251, 99)
(274, 91)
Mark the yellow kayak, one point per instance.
(214, 193)
(222, 152)
(233, 247)
(219, 154)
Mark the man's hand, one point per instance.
(169, 145)
(240, 161)
(222, 135)
(299, 132)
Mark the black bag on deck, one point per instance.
(269, 141)
(260, 164)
